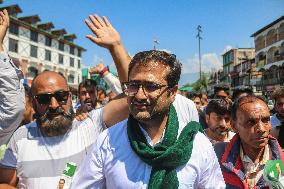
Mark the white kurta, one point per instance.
(113, 164)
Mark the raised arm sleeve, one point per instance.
(113, 82)
(12, 97)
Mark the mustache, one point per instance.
(145, 102)
(88, 101)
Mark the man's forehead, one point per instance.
(88, 88)
(280, 99)
(50, 82)
(150, 71)
(254, 108)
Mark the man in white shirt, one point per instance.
(153, 148)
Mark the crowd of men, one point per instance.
(143, 134)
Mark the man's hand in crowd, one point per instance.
(82, 112)
(4, 24)
(97, 69)
(106, 35)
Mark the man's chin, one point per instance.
(141, 116)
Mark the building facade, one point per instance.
(269, 55)
(37, 47)
(231, 59)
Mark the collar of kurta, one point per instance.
(166, 156)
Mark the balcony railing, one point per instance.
(271, 81)
(254, 81)
(275, 58)
(259, 46)
(271, 40)
(281, 36)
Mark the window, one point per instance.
(33, 51)
(13, 45)
(79, 64)
(72, 62)
(60, 59)
(14, 28)
(70, 79)
(34, 36)
(48, 41)
(79, 52)
(32, 72)
(47, 55)
(72, 50)
(61, 46)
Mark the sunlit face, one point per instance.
(204, 100)
(61, 184)
(219, 124)
(145, 106)
(55, 117)
(197, 102)
(253, 124)
(279, 106)
(88, 96)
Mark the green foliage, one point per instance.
(201, 84)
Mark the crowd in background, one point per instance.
(142, 133)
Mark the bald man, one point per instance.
(39, 152)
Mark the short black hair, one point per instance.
(88, 83)
(218, 106)
(192, 95)
(142, 58)
(221, 87)
(244, 99)
(238, 92)
(278, 93)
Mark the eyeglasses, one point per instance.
(131, 88)
(60, 96)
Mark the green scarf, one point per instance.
(166, 156)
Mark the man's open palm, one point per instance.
(106, 35)
(4, 24)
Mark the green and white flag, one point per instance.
(274, 174)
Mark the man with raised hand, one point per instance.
(12, 95)
(39, 152)
(152, 148)
(107, 37)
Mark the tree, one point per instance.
(201, 84)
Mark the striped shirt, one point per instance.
(40, 161)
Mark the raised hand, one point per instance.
(4, 24)
(97, 69)
(106, 35)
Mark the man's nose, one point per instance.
(261, 127)
(53, 103)
(140, 93)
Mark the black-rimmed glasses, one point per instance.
(131, 88)
(60, 96)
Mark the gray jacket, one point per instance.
(12, 97)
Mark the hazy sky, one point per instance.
(225, 24)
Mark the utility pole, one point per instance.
(199, 38)
(156, 42)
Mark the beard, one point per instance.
(221, 132)
(89, 104)
(148, 110)
(58, 125)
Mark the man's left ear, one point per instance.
(173, 92)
